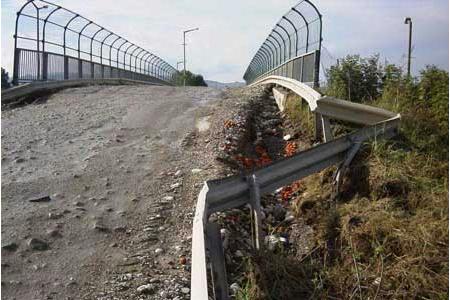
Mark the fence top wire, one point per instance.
(298, 32)
(68, 31)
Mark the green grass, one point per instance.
(386, 236)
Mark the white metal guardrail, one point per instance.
(236, 191)
(331, 107)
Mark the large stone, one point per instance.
(10, 246)
(145, 289)
(37, 244)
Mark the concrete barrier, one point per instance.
(12, 94)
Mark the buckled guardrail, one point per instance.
(236, 191)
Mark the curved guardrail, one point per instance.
(55, 43)
(292, 48)
(236, 191)
(331, 107)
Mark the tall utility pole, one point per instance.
(184, 53)
(409, 21)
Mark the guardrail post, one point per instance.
(66, 67)
(44, 66)
(317, 126)
(219, 273)
(255, 202)
(326, 129)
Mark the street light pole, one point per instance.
(184, 53)
(409, 21)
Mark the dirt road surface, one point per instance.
(108, 167)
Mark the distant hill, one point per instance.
(222, 85)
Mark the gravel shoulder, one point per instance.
(122, 167)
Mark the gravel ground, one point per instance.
(115, 171)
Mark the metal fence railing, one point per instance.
(292, 49)
(55, 43)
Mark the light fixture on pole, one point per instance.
(409, 21)
(184, 53)
(179, 63)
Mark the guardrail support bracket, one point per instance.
(342, 169)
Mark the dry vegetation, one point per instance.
(386, 234)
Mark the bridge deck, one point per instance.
(98, 152)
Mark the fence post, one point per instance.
(80, 68)
(45, 66)
(66, 67)
(92, 70)
(302, 68)
(16, 67)
(316, 68)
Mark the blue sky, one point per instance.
(231, 31)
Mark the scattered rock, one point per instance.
(175, 185)
(10, 246)
(159, 250)
(168, 198)
(185, 290)
(145, 289)
(287, 137)
(272, 242)
(40, 199)
(57, 195)
(100, 227)
(37, 244)
(195, 171)
(279, 212)
(120, 229)
(55, 216)
(289, 218)
(54, 233)
(19, 160)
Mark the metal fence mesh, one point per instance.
(292, 48)
(67, 45)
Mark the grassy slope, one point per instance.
(386, 236)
